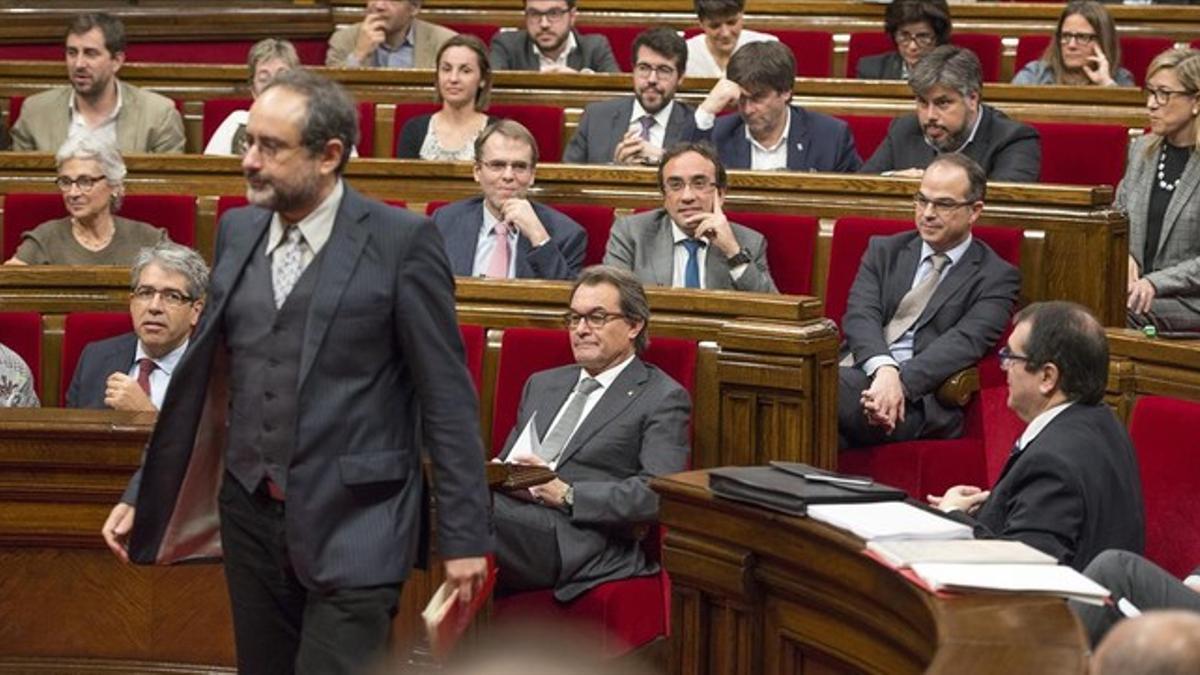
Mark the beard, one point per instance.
(949, 141)
(662, 101)
(282, 195)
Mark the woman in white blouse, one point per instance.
(463, 85)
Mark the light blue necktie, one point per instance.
(691, 272)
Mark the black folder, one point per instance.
(783, 487)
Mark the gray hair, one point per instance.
(947, 66)
(91, 147)
(176, 258)
(634, 304)
(330, 114)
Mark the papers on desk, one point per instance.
(901, 554)
(1058, 580)
(886, 521)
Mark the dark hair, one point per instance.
(947, 66)
(484, 95)
(664, 41)
(1101, 21)
(109, 25)
(719, 9)
(702, 148)
(508, 129)
(634, 305)
(936, 13)
(1067, 335)
(763, 64)
(976, 176)
(330, 114)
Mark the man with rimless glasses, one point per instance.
(606, 424)
(689, 243)
(551, 44)
(924, 305)
(131, 371)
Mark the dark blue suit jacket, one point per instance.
(816, 142)
(560, 258)
(99, 360)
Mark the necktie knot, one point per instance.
(501, 228)
(692, 245)
(587, 385)
(292, 235)
(647, 122)
(939, 261)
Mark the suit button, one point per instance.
(269, 395)
(268, 427)
(272, 362)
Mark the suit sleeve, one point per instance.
(757, 277)
(576, 151)
(883, 159)
(562, 256)
(427, 329)
(620, 249)
(664, 450)
(862, 324)
(501, 57)
(22, 136)
(602, 59)
(1020, 160)
(167, 135)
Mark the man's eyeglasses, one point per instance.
(1084, 39)
(552, 15)
(942, 207)
(644, 70)
(84, 183)
(170, 296)
(1163, 96)
(699, 184)
(596, 319)
(1009, 357)
(498, 166)
(921, 39)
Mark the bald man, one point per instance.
(1165, 642)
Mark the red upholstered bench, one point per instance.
(986, 46)
(82, 329)
(791, 245)
(1082, 154)
(22, 333)
(869, 131)
(1167, 451)
(23, 211)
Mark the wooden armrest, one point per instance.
(956, 391)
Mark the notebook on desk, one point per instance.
(790, 491)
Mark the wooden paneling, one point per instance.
(1150, 366)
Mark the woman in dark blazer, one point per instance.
(1160, 193)
(916, 27)
(463, 85)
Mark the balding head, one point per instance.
(1156, 643)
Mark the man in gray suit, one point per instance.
(607, 424)
(502, 234)
(389, 36)
(551, 44)
(670, 246)
(96, 102)
(319, 399)
(924, 305)
(635, 129)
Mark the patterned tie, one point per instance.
(145, 367)
(552, 446)
(287, 264)
(691, 271)
(498, 264)
(647, 121)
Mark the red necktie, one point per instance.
(145, 367)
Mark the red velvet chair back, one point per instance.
(1082, 154)
(32, 52)
(81, 329)
(791, 245)
(987, 47)
(850, 238)
(474, 341)
(620, 38)
(813, 50)
(1167, 449)
(545, 122)
(22, 333)
(24, 211)
(215, 110)
(597, 221)
(366, 129)
(869, 131)
(15, 103)
(866, 44)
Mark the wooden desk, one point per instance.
(755, 592)
(1150, 366)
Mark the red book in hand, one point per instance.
(446, 618)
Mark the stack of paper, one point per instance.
(1057, 580)
(901, 554)
(879, 521)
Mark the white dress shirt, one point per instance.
(773, 158)
(105, 131)
(160, 377)
(1038, 423)
(561, 62)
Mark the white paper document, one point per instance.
(902, 554)
(1057, 580)
(889, 521)
(527, 448)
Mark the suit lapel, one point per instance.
(676, 125)
(465, 238)
(617, 397)
(617, 125)
(230, 268)
(716, 270)
(341, 253)
(121, 359)
(128, 120)
(553, 397)
(1187, 186)
(964, 269)
(906, 267)
(740, 146)
(663, 257)
(575, 58)
(798, 141)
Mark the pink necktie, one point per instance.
(498, 263)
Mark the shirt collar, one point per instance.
(1038, 423)
(955, 253)
(488, 227)
(410, 40)
(609, 376)
(787, 127)
(678, 235)
(316, 226)
(116, 109)
(661, 118)
(167, 363)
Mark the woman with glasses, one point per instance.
(916, 27)
(90, 176)
(1160, 194)
(1084, 51)
(267, 58)
(463, 85)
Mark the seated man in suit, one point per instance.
(551, 44)
(1141, 583)
(906, 331)
(635, 129)
(96, 102)
(500, 233)
(769, 133)
(1070, 488)
(131, 371)
(389, 36)
(952, 117)
(608, 424)
(671, 245)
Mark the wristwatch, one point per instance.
(742, 257)
(569, 498)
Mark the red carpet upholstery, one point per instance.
(81, 329)
(1167, 452)
(869, 131)
(22, 333)
(1136, 52)
(987, 47)
(813, 50)
(930, 466)
(1063, 145)
(633, 611)
(23, 211)
(791, 245)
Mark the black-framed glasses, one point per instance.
(1084, 39)
(1009, 357)
(942, 207)
(1163, 96)
(84, 183)
(645, 70)
(699, 184)
(170, 296)
(904, 37)
(596, 319)
(552, 15)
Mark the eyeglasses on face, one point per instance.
(699, 184)
(498, 166)
(1084, 39)
(596, 319)
(1009, 357)
(552, 15)
(644, 70)
(1163, 96)
(84, 183)
(170, 296)
(921, 39)
(942, 207)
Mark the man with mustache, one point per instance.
(132, 371)
(96, 102)
(389, 36)
(551, 44)
(635, 129)
(951, 117)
